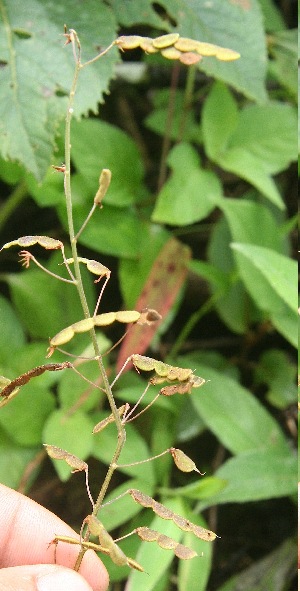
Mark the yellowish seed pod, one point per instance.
(165, 40)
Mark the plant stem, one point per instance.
(80, 288)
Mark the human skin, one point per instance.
(26, 529)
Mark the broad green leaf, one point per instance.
(242, 216)
(276, 370)
(278, 271)
(154, 560)
(24, 417)
(34, 292)
(184, 125)
(13, 460)
(190, 194)
(220, 117)
(32, 50)
(72, 433)
(12, 336)
(273, 19)
(119, 512)
(193, 574)
(233, 414)
(255, 475)
(202, 489)
(235, 25)
(259, 142)
(97, 145)
(136, 450)
(273, 572)
(163, 284)
(112, 230)
(233, 304)
(284, 51)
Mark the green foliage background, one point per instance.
(228, 195)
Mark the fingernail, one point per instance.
(62, 581)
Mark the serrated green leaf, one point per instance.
(232, 413)
(256, 475)
(72, 433)
(38, 71)
(190, 194)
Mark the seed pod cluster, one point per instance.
(172, 46)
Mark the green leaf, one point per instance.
(273, 572)
(72, 433)
(242, 216)
(190, 194)
(136, 450)
(97, 145)
(233, 414)
(193, 574)
(24, 417)
(38, 71)
(278, 271)
(33, 292)
(184, 125)
(276, 370)
(284, 51)
(156, 561)
(256, 475)
(111, 230)
(259, 142)
(13, 460)
(12, 336)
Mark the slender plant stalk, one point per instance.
(67, 183)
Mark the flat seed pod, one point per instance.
(127, 316)
(60, 454)
(196, 381)
(183, 462)
(162, 511)
(165, 40)
(62, 337)
(83, 325)
(184, 388)
(141, 498)
(162, 369)
(166, 542)
(146, 44)
(170, 53)
(184, 553)
(148, 316)
(181, 522)
(102, 424)
(206, 49)
(227, 55)
(128, 41)
(146, 534)
(202, 533)
(185, 44)
(104, 319)
(144, 363)
(190, 58)
(44, 241)
(179, 373)
(93, 266)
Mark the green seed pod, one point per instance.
(207, 49)
(227, 55)
(170, 53)
(146, 45)
(83, 325)
(165, 40)
(185, 44)
(128, 41)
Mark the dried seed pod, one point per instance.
(104, 182)
(149, 535)
(183, 462)
(44, 241)
(74, 462)
(149, 316)
(184, 388)
(102, 424)
(93, 266)
(32, 373)
(190, 58)
(165, 40)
